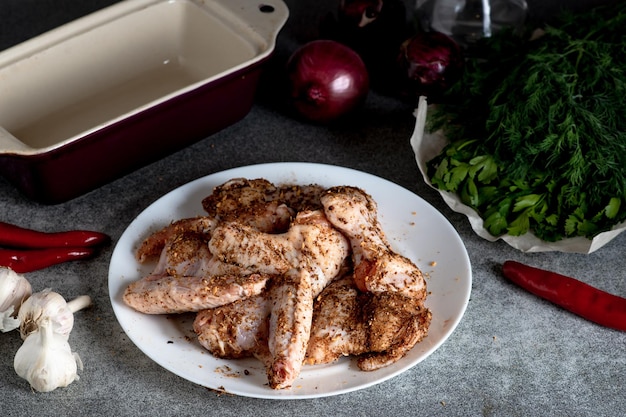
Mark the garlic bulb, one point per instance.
(14, 289)
(46, 360)
(49, 304)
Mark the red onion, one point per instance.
(326, 80)
(431, 63)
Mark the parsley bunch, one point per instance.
(538, 129)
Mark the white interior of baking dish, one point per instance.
(118, 61)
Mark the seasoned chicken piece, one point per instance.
(180, 294)
(291, 313)
(185, 263)
(379, 327)
(395, 324)
(377, 267)
(256, 203)
(236, 330)
(188, 278)
(338, 327)
(237, 196)
(241, 197)
(187, 254)
(273, 326)
(308, 256)
(301, 197)
(311, 243)
(169, 294)
(153, 245)
(384, 316)
(270, 217)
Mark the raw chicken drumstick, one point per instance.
(380, 314)
(377, 268)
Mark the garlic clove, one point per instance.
(48, 303)
(14, 289)
(46, 360)
(7, 320)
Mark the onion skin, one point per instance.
(327, 80)
(430, 62)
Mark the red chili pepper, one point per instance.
(19, 237)
(573, 295)
(28, 260)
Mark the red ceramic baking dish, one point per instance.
(92, 100)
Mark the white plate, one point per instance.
(414, 227)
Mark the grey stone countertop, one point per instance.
(511, 354)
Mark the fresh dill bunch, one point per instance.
(562, 110)
(549, 117)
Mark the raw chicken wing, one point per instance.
(311, 243)
(236, 330)
(182, 294)
(152, 247)
(188, 278)
(338, 327)
(261, 204)
(307, 257)
(291, 313)
(379, 327)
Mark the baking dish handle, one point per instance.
(265, 17)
